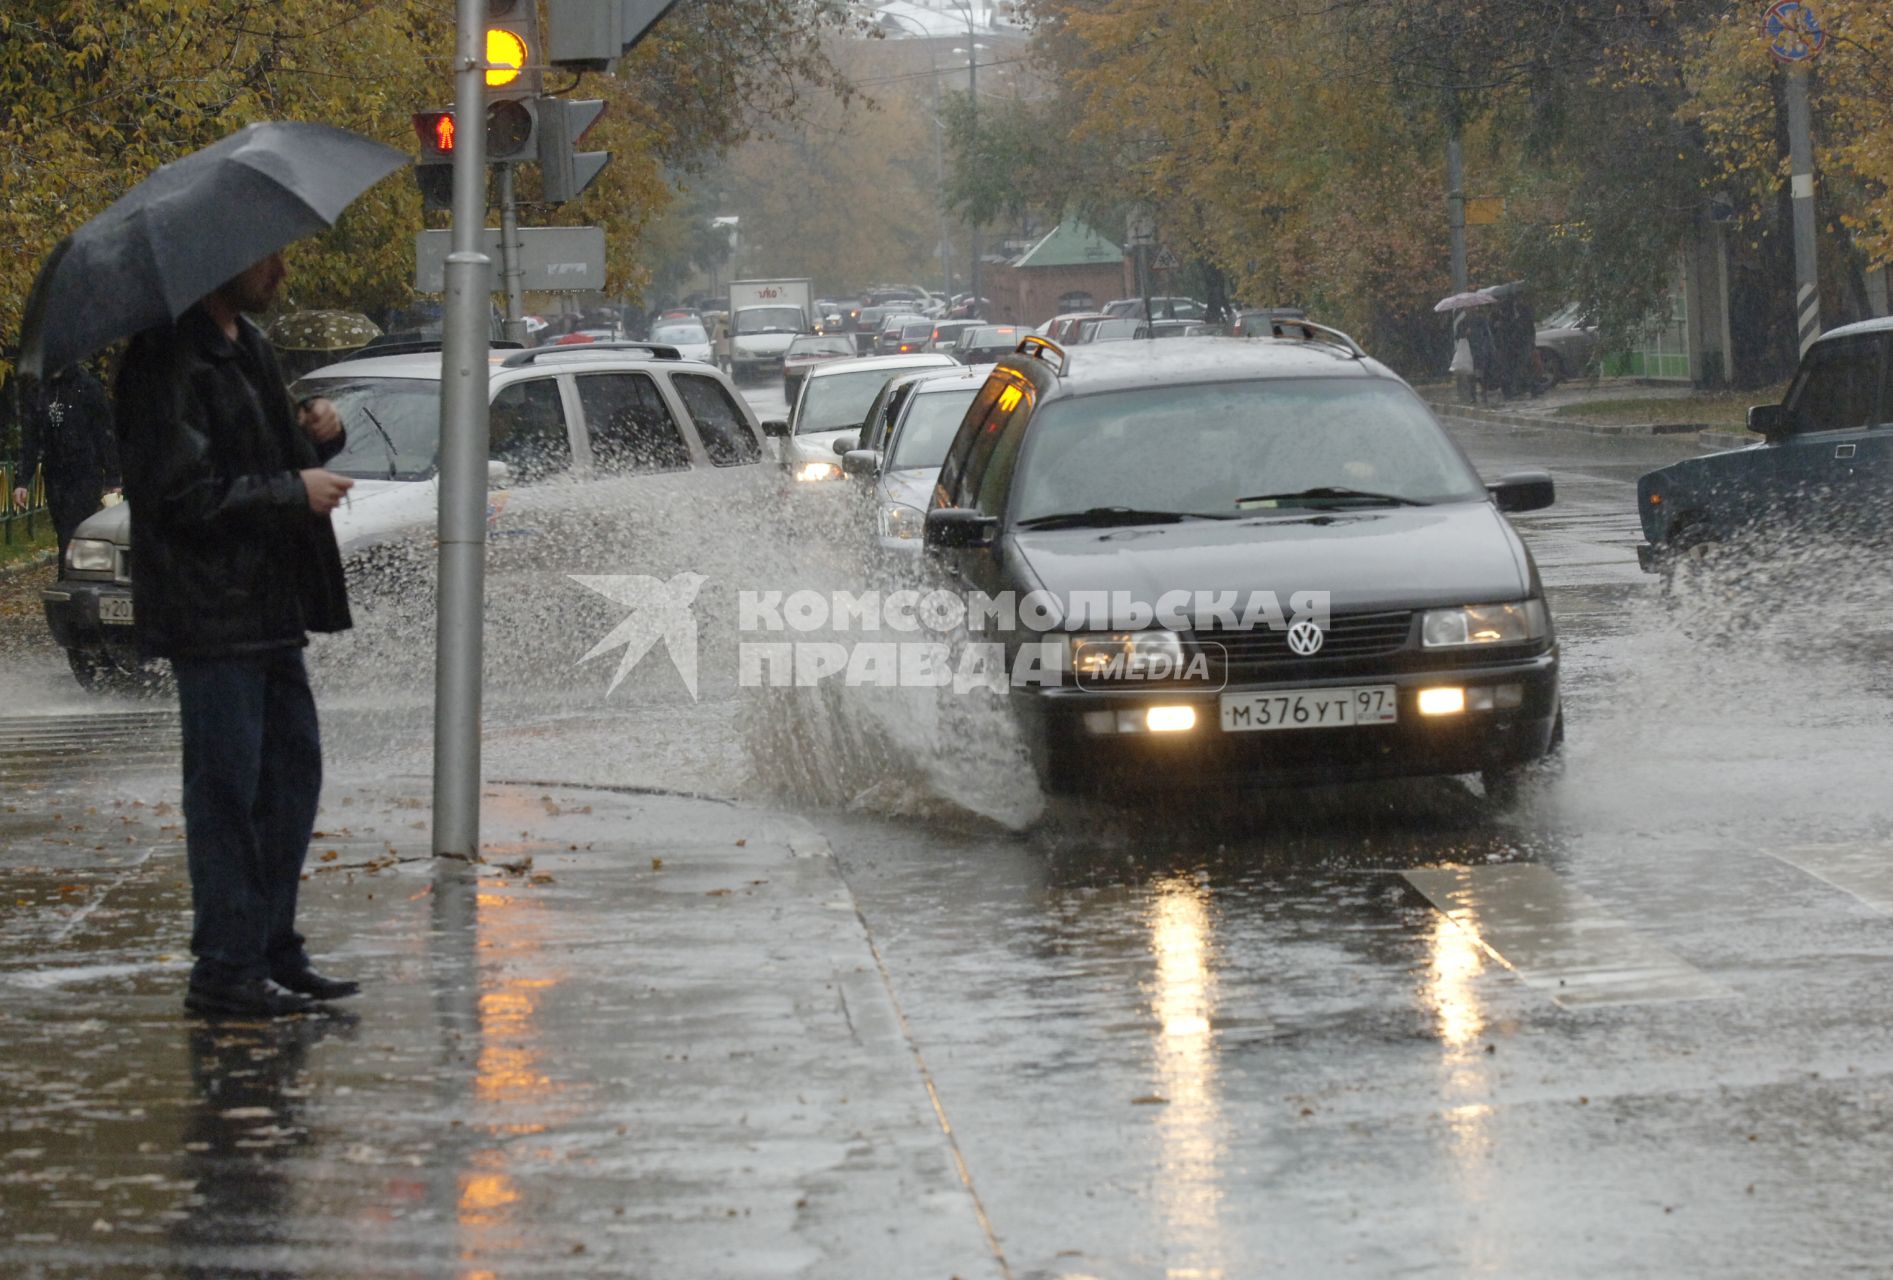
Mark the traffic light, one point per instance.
(513, 55)
(564, 173)
(434, 167)
(589, 35)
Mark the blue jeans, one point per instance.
(252, 777)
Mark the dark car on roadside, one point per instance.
(1260, 322)
(1824, 467)
(807, 351)
(1307, 580)
(895, 327)
(987, 343)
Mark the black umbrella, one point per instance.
(187, 228)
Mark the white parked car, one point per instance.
(690, 338)
(564, 420)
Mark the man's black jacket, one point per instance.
(67, 429)
(227, 557)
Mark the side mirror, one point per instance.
(953, 527)
(862, 464)
(776, 427)
(498, 474)
(1768, 421)
(846, 444)
(1523, 491)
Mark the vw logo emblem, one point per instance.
(1305, 639)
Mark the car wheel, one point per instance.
(1549, 368)
(90, 668)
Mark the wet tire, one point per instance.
(90, 668)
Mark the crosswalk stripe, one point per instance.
(1863, 869)
(1558, 939)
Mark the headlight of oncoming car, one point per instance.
(901, 521)
(1125, 654)
(817, 471)
(1478, 624)
(89, 555)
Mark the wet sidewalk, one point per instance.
(650, 1036)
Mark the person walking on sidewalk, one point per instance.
(237, 561)
(66, 436)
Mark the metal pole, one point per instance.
(972, 101)
(512, 275)
(458, 650)
(1807, 280)
(1456, 223)
(1143, 280)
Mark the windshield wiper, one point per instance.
(385, 439)
(1106, 517)
(1333, 493)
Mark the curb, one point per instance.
(1548, 422)
(20, 568)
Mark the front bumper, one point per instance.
(1071, 756)
(74, 612)
(1649, 558)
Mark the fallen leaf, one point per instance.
(1150, 1100)
(717, 893)
(542, 878)
(331, 855)
(657, 864)
(741, 843)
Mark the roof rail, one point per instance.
(1044, 349)
(420, 346)
(658, 350)
(1319, 333)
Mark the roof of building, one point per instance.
(1070, 244)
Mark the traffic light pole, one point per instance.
(511, 273)
(459, 650)
(1807, 277)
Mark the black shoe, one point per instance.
(317, 987)
(257, 998)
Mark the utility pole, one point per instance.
(1463, 387)
(972, 91)
(1796, 37)
(511, 273)
(458, 642)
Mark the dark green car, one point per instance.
(1824, 467)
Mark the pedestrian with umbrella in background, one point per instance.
(230, 506)
(66, 437)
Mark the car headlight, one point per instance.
(89, 555)
(1120, 654)
(818, 471)
(899, 520)
(1477, 624)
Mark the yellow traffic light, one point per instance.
(506, 55)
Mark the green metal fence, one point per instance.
(19, 524)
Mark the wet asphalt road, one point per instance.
(1631, 1029)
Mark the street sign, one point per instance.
(1794, 32)
(553, 259)
(1484, 211)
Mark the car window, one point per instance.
(726, 436)
(393, 425)
(970, 428)
(769, 320)
(995, 481)
(1838, 387)
(929, 427)
(632, 429)
(821, 346)
(527, 431)
(1012, 404)
(1220, 449)
(839, 401)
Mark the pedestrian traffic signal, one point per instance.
(436, 131)
(513, 57)
(564, 173)
(511, 133)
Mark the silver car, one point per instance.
(835, 398)
(903, 471)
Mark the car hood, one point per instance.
(764, 343)
(108, 524)
(911, 486)
(379, 509)
(1403, 557)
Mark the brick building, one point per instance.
(1072, 268)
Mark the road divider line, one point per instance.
(1862, 869)
(1559, 939)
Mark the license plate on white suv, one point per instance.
(1309, 708)
(115, 610)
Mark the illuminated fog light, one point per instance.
(1100, 722)
(1170, 719)
(1442, 702)
(818, 471)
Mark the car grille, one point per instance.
(1348, 639)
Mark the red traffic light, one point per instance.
(436, 131)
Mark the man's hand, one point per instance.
(326, 489)
(319, 418)
(20, 495)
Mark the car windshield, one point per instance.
(687, 334)
(769, 320)
(839, 401)
(407, 410)
(821, 347)
(1007, 338)
(931, 423)
(1569, 316)
(920, 332)
(1217, 449)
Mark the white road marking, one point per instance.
(1559, 939)
(1862, 869)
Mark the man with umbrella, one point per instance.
(66, 436)
(230, 506)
